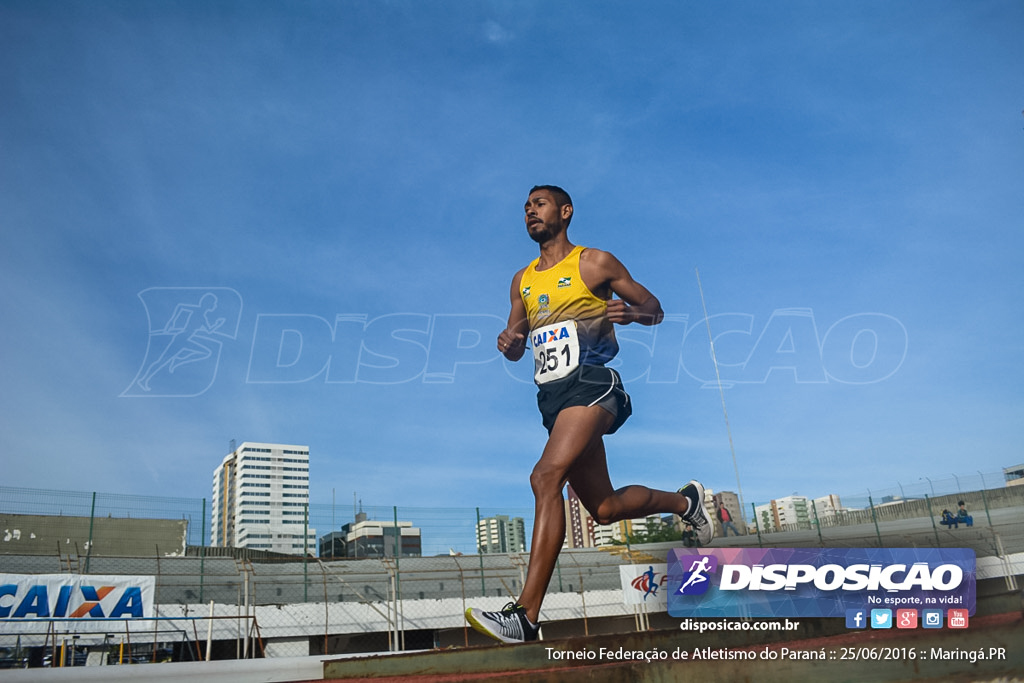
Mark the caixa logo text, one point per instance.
(830, 577)
(21, 601)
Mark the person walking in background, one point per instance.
(726, 519)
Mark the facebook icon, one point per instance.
(855, 619)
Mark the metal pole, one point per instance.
(398, 582)
(817, 522)
(757, 525)
(88, 551)
(480, 554)
(327, 610)
(931, 515)
(202, 553)
(721, 390)
(984, 499)
(209, 632)
(875, 519)
(305, 553)
(248, 626)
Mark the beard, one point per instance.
(543, 234)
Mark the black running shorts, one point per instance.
(589, 385)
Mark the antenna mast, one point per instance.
(721, 391)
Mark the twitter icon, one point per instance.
(881, 618)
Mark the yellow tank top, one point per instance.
(559, 294)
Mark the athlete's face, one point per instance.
(544, 218)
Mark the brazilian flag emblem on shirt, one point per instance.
(565, 282)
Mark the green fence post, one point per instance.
(931, 516)
(874, 518)
(202, 554)
(817, 523)
(480, 554)
(399, 621)
(757, 525)
(305, 553)
(984, 499)
(92, 518)
(398, 555)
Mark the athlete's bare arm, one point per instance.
(605, 276)
(512, 340)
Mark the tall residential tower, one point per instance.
(260, 499)
(499, 534)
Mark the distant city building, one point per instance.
(611, 534)
(260, 499)
(1014, 475)
(764, 520)
(827, 507)
(373, 538)
(583, 532)
(796, 512)
(499, 534)
(579, 524)
(332, 545)
(792, 512)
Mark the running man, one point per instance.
(188, 327)
(698, 570)
(563, 307)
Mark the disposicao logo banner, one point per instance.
(816, 582)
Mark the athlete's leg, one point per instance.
(589, 478)
(577, 431)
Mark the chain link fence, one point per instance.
(227, 603)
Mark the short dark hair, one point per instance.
(561, 196)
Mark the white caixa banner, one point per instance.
(75, 596)
(644, 584)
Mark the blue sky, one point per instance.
(847, 177)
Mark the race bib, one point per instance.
(556, 351)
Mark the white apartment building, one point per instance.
(764, 518)
(792, 512)
(260, 499)
(796, 512)
(827, 507)
(377, 538)
(499, 534)
(605, 534)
